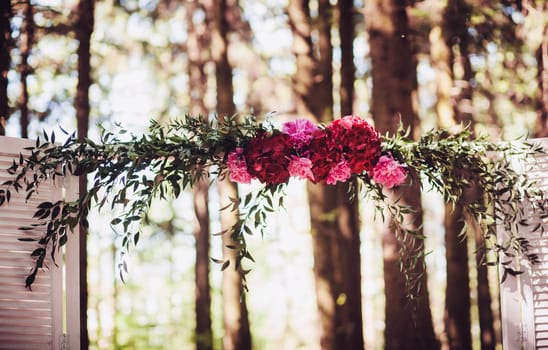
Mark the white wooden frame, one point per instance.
(48, 317)
(524, 298)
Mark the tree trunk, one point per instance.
(542, 79)
(196, 50)
(457, 309)
(83, 30)
(5, 61)
(27, 39)
(204, 336)
(348, 70)
(457, 294)
(236, 324)
(334, 220)
(334, 223)
(485, 312)
(349, 222)
(303, 82)
(394, 101)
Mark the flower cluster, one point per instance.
(347, 146)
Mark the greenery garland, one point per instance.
(170, 158)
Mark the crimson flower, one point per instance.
(323, 153)
(358, 142)
(268, 156)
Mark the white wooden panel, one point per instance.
(524, 298)
(34, 319)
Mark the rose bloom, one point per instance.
(389, 172)
(340, 172)
(238, 167)
(358, 141)
(300, 131)
(268, 156)
(301, 167)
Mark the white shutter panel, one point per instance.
(524, 298)
(48, 316)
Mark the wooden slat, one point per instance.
(539, 245)
(34, 319)
(26, 317)
(524, 300)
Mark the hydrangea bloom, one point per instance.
(238, 167)
(323, 154)
(358, 142)
(300, 131)
(389, 172)
(267, 157)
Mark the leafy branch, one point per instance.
(126, 174)
(453, 164)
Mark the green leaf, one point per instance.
(248, 255)
(30, 279)
(38, 252)
(62, 240)
(55, 212)
(45, 205)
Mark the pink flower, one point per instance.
(340, 172)
(300, 131)
(301, 168)
(389, 172)
(238, 168)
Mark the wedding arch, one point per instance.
(129, 171)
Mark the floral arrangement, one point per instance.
(170, 158)
(347, 146)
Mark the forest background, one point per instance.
(327, 270)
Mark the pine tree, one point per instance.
(236, 324)
(197, 57)
(408, 324)
(334, 219)
(5, 61)
(83, 29)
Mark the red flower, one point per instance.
(347, 146)
(268, 157)
(358, 142)
(323, 153)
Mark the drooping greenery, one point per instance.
(129, 173)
